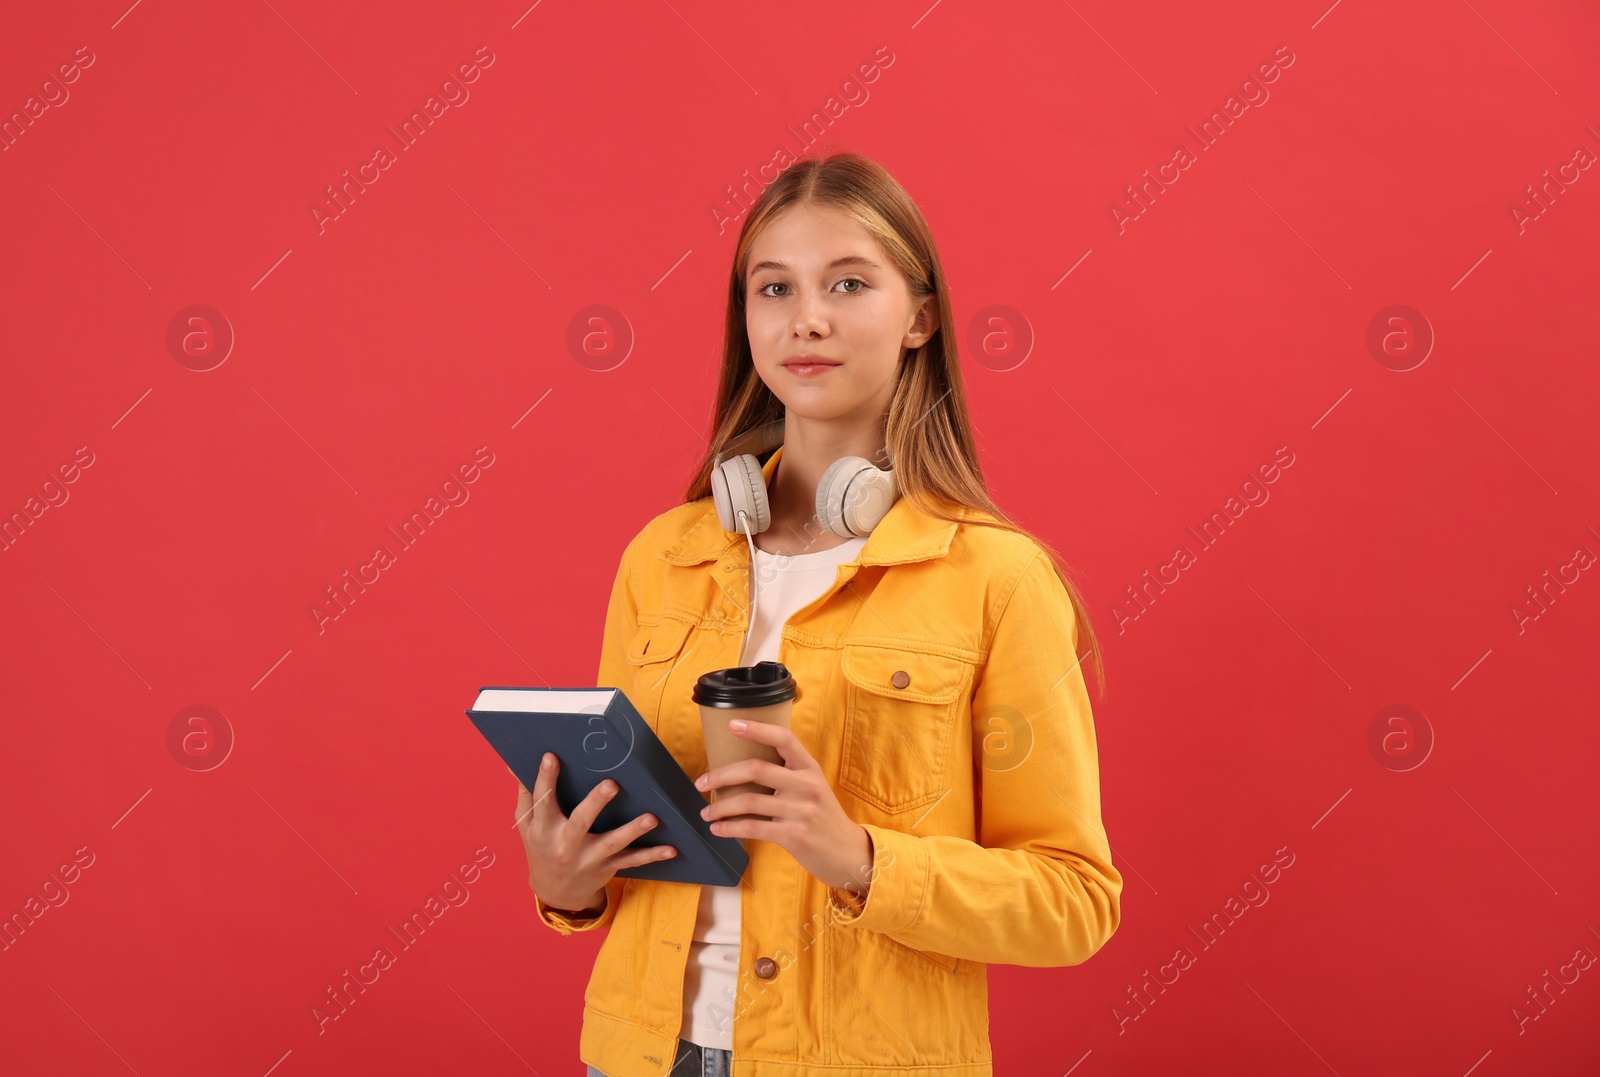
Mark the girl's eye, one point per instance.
(762, 290)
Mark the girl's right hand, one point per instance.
(568, 867)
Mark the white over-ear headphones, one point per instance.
(853, 495)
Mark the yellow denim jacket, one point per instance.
(940, 692)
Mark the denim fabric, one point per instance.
(693, 1061)
(970, 619)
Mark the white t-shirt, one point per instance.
(710, 985)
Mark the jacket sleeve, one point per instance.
(622, 620)
(1038, 888)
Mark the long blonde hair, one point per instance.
(927, 433)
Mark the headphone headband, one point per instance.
(770, 436)
(760, 439)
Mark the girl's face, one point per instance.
(819, 286)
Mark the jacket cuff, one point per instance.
(899, 884)
(569, 922)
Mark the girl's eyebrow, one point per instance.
(848, 260)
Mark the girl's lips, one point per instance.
(809, 370)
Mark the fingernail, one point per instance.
(700, 782)
(705, 813)
(648, 822)
(544, 764)
(737, 725)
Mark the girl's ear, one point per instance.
(924, 325)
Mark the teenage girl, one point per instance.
(937, 807)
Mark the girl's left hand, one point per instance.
(804, 815)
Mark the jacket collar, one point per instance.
(905, 534)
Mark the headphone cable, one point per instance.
(745, 524)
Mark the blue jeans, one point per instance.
(694, 1061)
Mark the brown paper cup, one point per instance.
(763, 692)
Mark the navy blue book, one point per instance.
(597, 734)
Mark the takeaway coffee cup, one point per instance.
(763, 692)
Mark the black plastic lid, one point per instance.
(760, 685)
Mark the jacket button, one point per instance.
(766, 968)
(900, 679)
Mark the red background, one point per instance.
(373, 356)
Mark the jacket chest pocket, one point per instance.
(899, 719)
(652, 655)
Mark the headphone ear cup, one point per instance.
(854, 496)
(737, 485)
